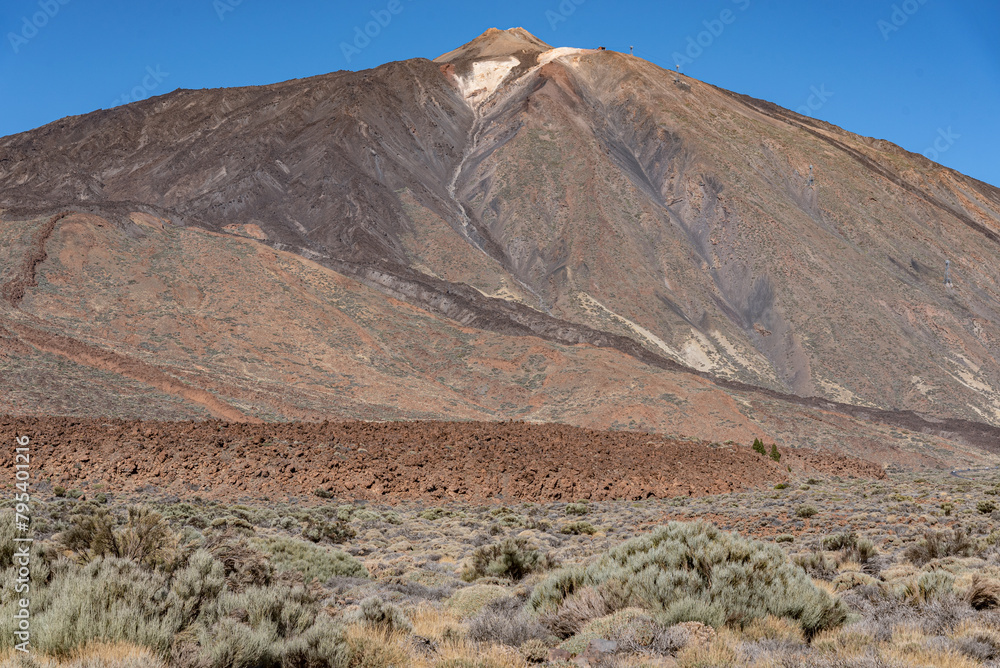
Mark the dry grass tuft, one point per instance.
(96, 655)
(984, 594)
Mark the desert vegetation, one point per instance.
(899, 572)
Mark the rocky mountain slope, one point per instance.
(510, 230)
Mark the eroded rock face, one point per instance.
(580, 196)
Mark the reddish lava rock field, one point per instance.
(397, 461)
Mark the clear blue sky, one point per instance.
(929, 73)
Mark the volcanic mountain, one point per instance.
(508, 231)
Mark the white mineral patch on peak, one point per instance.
(552, 54)
(486, 77)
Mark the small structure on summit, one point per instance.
(947, 274)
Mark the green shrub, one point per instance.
(986, 507)
(511, 558)
(337, 531)
(758, 446)
(781, 485)
(379, 614)
(695, 572)
(806, 511)
(775, 455)
(784, 538)
(197, 584)
(269, 626)
(59, 491)
(818, 564)
(314, 562)
(107, 600)
(577, 509)
(578, 528)
(233, 522)
(947, 508)
(323, 493)
(853, 547)
(433, 514)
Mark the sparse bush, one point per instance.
(376, 613)
(108, 600)
(233, 523)
(145, 538)
(578, 528)
(269, 626)
(936, 545)
(504, 622)
(511, 558)
(197, 584)
(59, 491)
(323, 493)
(584, 605)
(986, 507)
(852, 547)
(781, 485)
(314, 562)
(806, 511)
(930, 586)
(577, 509)
(758, 446)
(337, 531)
(643, 635)
(785, 538)
(243, 564)
(695, 572)
(433, 514)
(817, 564)
(947, 509)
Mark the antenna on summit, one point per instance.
(947, 274)
(812, 178)
(631, 51)
(677, 75)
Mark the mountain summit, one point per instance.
(497, 44)
(576, 209)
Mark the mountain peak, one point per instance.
(496, 44)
